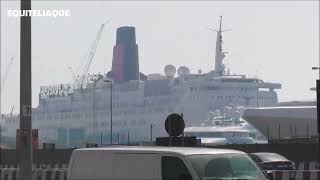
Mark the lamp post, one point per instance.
(0, 132)
(110, 81)
(318, 101)
(25, 152)
(94, 124)
(94, 117)
(151, 126)
(257, 97)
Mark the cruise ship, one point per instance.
(138, 104)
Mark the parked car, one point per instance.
(161, 163)
(272, 161)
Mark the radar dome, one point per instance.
(169, 70)
(183, 70)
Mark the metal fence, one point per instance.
(61, 174)
(38, 174)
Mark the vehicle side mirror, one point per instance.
(185, 177)
(269, 174)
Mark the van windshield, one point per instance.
(225, 167)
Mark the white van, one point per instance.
(161, 163)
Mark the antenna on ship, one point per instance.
(220, 55)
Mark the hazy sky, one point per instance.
(277, 41)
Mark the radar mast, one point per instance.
(220, 55)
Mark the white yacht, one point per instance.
(226, 127)
(216, 135)
(73, 116)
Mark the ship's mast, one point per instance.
(219, 56)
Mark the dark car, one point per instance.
(272, 161)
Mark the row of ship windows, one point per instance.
(244, 97)
(232, 97)
(84, 98)
(83, 105)
(99, 105)
(125, 123)
(98, 115)
(219, 88)
(120, 123)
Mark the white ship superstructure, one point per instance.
(75, 116)
(284, 122)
